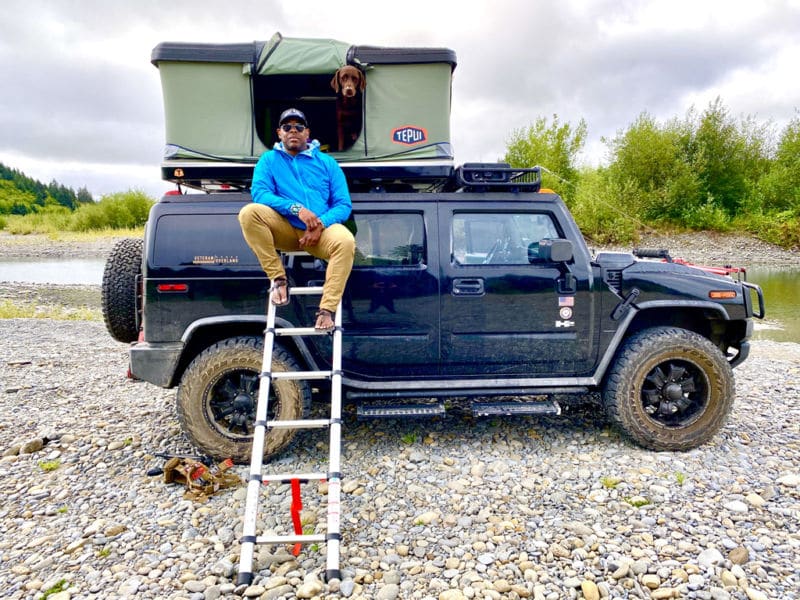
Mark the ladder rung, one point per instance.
(305, 291)
(290, 539)
(300, 331)
(299, 424)
(301, 375)
(287, 477)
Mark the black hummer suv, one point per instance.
(482, 294)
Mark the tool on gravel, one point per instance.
(201, 480)
(332, 537)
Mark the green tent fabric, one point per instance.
(298, 56)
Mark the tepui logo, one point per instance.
(409, 135)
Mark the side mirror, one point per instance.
(550, 250)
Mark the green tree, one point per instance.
(780, 187)
(648, 162)
(720, 158)
(14, 201)
(114, 211)
(84, 197)
(554, 146)
(44, 195)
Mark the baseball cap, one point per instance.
(292, 113)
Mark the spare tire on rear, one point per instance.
(120, 294)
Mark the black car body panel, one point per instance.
(448, 291)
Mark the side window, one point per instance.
(389, 240)
(492, 238)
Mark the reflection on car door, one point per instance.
(390, 308)
(503, 311)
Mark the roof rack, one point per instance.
(410, 175)
(482, 177)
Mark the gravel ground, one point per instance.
(443, 510)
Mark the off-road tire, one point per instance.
(666, 369)
(221, 383)
(120, 294)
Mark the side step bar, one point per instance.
(399, 411)
(479, 409)
(509, 409)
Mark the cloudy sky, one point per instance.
(81, 103)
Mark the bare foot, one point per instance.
(279, 292)
(324, 320)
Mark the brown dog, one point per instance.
(348, 83)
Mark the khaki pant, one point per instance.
(266, 231)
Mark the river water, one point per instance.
(781, 288)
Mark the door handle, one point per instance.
(468, 287)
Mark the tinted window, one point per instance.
(389, 239)
(498, 238)
(183, 240)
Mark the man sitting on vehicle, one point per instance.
(300, 200)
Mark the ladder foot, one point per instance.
(333, 574)
(244, 579)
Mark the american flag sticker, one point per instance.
(566, 300)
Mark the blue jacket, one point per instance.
(311, 178)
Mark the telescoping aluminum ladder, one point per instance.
(332, 537)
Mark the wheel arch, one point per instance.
(206, 332)
(707, 319)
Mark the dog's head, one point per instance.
(348, 81)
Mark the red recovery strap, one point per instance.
(297, 506)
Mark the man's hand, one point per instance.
(309, 218)
(311, 236)
(314, 228)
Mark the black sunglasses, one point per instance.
(287, 127)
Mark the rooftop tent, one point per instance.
(222, 101)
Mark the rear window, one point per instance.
(213, 239)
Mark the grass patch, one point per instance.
(21, 228)
(58, 587)
(680, 477)
(637, 501)
(100, 234)
(408, 438)
(610, 482)
(26, 310)
(49, 465)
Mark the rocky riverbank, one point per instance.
(449, 509)
(41, 246)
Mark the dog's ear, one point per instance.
(362, 80)
(335, 82)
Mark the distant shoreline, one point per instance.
(706, 248)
